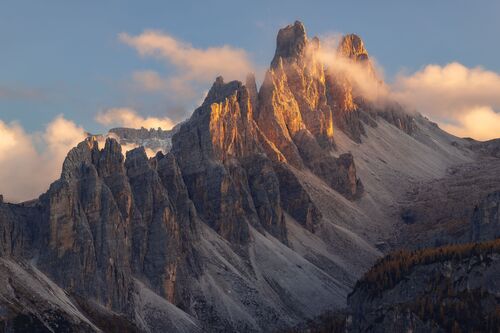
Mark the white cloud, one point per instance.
(367, 78)
(446, 90)
(193, 65)
(126, 117)
(462, 100)
(25, 171)
(480, 123)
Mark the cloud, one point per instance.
(20, 93)
(191, 65)
(366, 77)
(30, 162)
(126, 146)
(462, 100)
(126, 117)
(480, 123)
(445, 90)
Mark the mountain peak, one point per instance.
(352, 46)
(291, 42)
(221, 90)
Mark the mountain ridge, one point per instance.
(268, 207)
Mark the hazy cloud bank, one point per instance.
(464, 101)
(127, 117)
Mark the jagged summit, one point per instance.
(352, 46)
(290, 43)
(221, 90)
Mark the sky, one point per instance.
(91, 65)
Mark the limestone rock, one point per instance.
(213, 150)
(352, 46)
(295, 110)
(485, 220)
(82, 226)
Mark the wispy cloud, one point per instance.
(192, 65)
(366, 78)
(30, 162)
(127, 117)
(21, 93)
(150, 81)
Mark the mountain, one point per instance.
(268, 207)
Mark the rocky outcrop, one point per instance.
(485, 148)
(485, 221)
(82, 226)
(293, 94)
(351, 46)
(343, 95)
(446, 289)
(295, 199)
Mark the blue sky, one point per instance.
(67, 67)
(64, 57)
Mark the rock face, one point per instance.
(227, 173)
(485, 221)
(352, 47)
(294, 113)
(83, 227)
(106, 220)
(351, 110)
(452, 288)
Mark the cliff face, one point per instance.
(444, 289)
(294, 113)
(106, 219)
(227, 173)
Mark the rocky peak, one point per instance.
(252, 90)
(352, 46)
(83, 154)
(291, 43)
(110, 162)
(221, 90)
